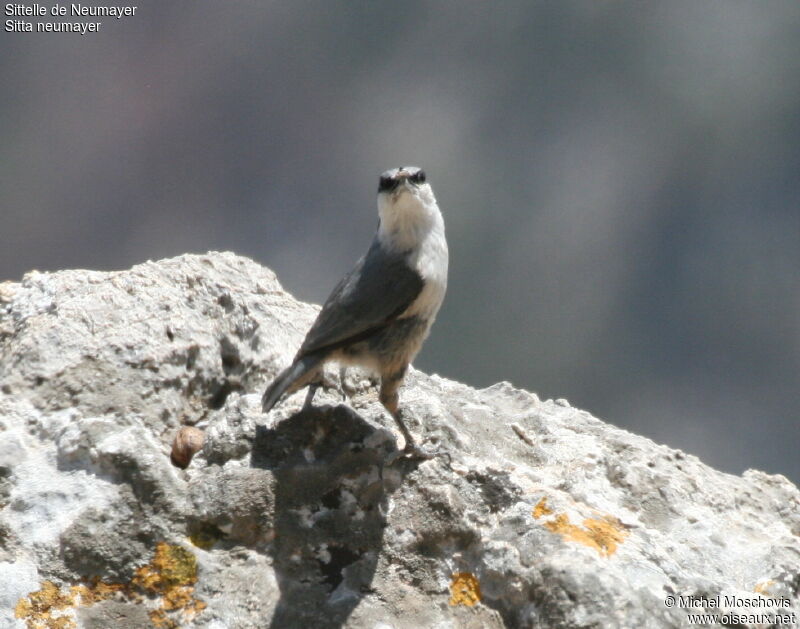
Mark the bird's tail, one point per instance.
(291, 377)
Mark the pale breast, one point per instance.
(430, 261)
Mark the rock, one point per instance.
(540, 515)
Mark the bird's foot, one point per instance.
(429, 453)
(414, 452)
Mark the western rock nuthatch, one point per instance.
(380, 313)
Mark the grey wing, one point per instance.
(380, 287)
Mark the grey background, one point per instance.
(620, 181)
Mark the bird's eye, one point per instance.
(387, 184)
(418, 177)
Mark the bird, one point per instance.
(380, 313)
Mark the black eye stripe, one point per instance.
(387, 184)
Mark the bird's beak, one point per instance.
(404, 181)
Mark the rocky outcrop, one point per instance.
(539, 516)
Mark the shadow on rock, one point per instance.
(331, 490)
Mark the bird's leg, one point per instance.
(342, 381)
(312, 389)
(314, 380)
(391, 400)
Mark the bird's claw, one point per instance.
(414, 452)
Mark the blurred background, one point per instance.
(620, 181)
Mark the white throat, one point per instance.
(412, 223)
(407, 218)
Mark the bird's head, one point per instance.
(401, 189)
(406, 205)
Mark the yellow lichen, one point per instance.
(194, 608)
(172, 566)
(171, 575)
(160, 619)
(177, 597)
(602, 534)
(464, 589)
(169, 579)
(761, 588)
(541, 508)
(95, 591)
(46, 608)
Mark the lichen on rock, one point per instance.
(164, 586)
(540, 515)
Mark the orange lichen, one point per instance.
(602, 534)
(177, 597)
(193, 608)
(464, 589)
(46, 608)
(172, 566)
(541, 508)
(95, 591)
(160, 619)
(761, 588)
(171, 575)
(168, 580)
